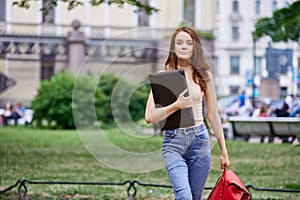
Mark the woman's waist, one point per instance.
(198, 124)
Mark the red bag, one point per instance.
(229, 187)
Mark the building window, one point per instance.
(142, 16)
(235, 33)
(48, 18)
(257, 7)
(2, 10)
(234, 89)
(189, 12)
(217, 7)
(274, 6)
(283, 91)
(234, 65)
(235, 6)
(257, 65)
(47, 69)
(286, 4)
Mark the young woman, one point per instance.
(186, 151)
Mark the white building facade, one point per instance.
(172, 13)
(231, 21)
(34, 45)
(237, 54)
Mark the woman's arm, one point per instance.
(214, 119)
(153, 114)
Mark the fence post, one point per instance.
(76, 48)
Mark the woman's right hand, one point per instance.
(184, 101)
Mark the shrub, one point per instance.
(56, 105)
(138, 102)
(53, 104)
(122, 104)
(85, 97)
(103, 104)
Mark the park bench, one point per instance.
(271, 127)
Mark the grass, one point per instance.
(62, 155)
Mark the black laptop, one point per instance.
(166, 87)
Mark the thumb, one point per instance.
(183, 92)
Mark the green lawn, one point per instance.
(60, 155)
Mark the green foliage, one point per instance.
(208, 35)
(60, 155)
(71, 4)
(119, 102)
(84, 98)
(53, 104)
(205, 35)
(103, 106)
(138, 102)
(284, 25)
(64, 98)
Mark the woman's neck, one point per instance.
(186, 68)
(184, 63)
(188, 71)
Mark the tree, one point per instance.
(51, 4)
(284, 25)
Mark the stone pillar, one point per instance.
(269, 88)
(76, 49)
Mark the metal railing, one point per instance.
(131, 189)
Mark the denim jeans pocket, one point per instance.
(202, 136)
(170, 134)
(204, 143)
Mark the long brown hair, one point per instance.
(200, 67)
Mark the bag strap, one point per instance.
(223, 183)
(224, 172)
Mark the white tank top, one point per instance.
(197, 95)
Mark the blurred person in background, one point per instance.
(295, 112)
(263, 110)
(6, 113)
(242, 98)
(15, 113)
(289, 100)
(246, 108)
(282, 112)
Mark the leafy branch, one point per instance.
(284, 25)
(71, 4)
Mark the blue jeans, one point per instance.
(187, 158)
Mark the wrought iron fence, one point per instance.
(131, 187)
